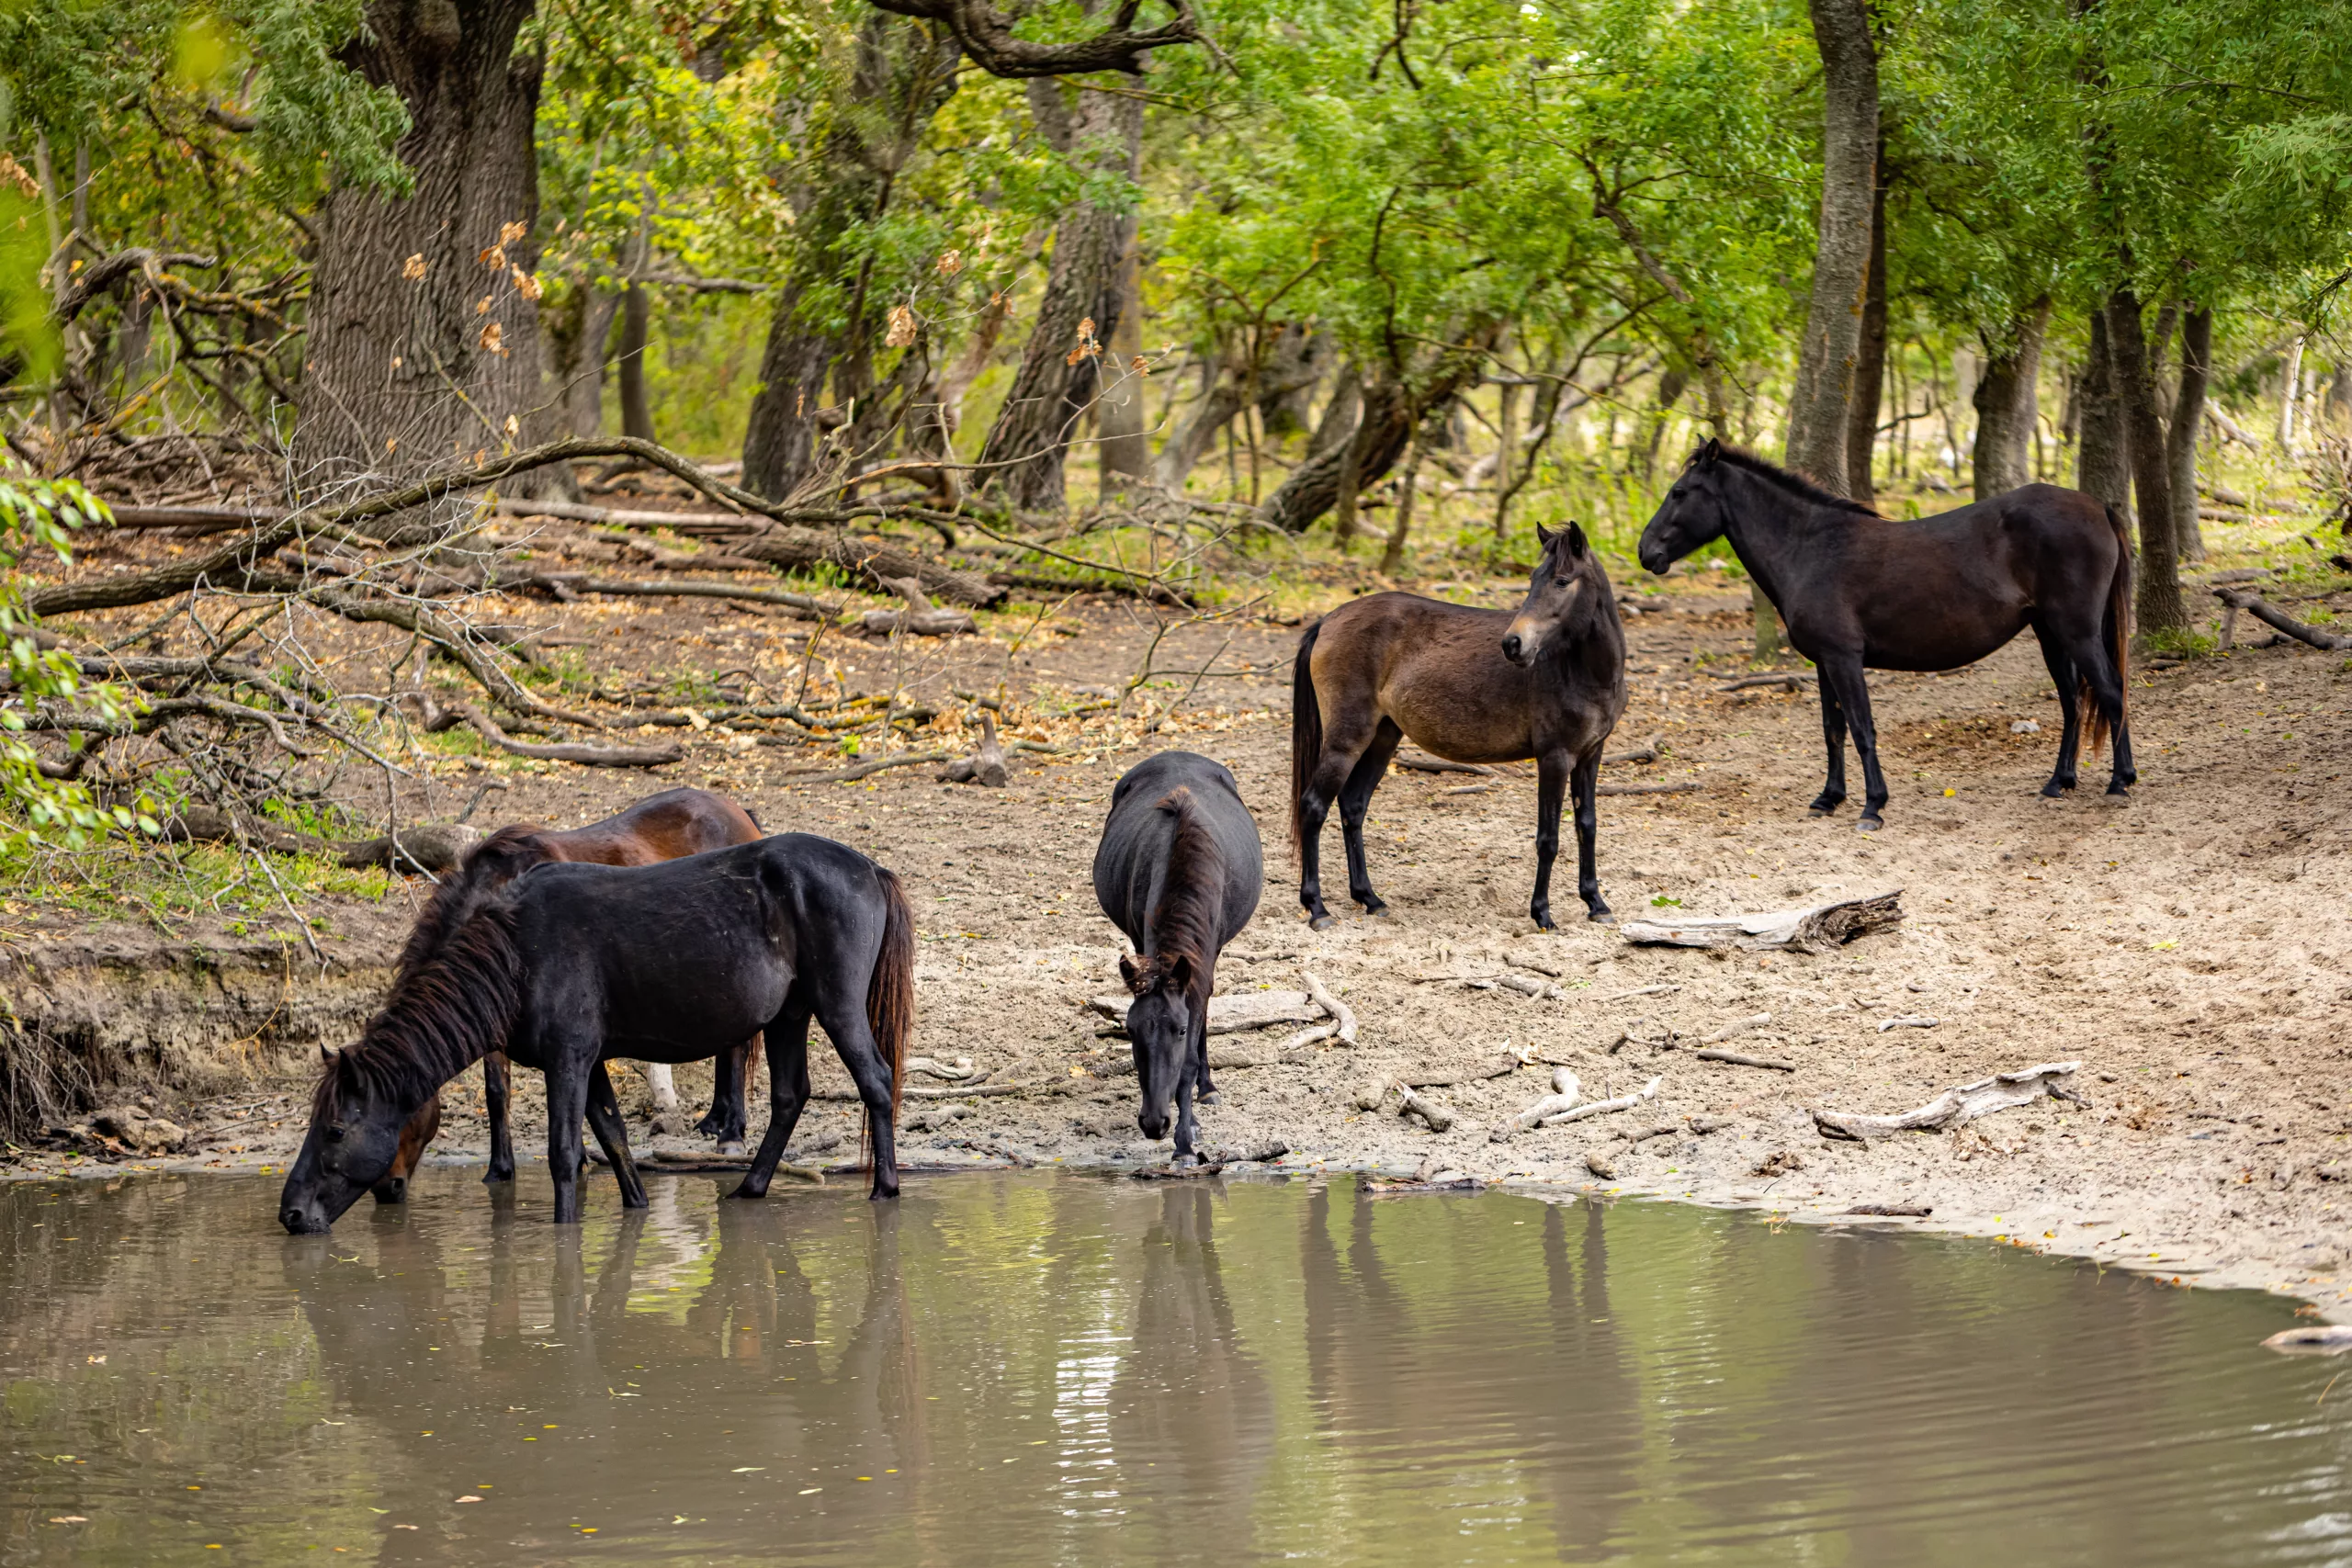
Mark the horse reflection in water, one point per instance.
(1370, 1386)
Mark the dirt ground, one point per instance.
(2187, 948)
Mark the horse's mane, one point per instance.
(1795, 483)
(443, 1015)
(488, 866)
(1183, 922)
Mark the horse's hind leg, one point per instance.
(1833, 735)
(788, 1041)
(729, 1097)
(2070, 737)
(840, 1007)
(1844, 676)
(1584, 780)
(612, 1135)
(2107, 690)
(497, 1090)
(1355, 802)
(1343, 742)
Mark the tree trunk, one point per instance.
(2007, 405)
(1288, 370)
(1818, 406)
(2103, 456)
(2289, 384)
(424, 330)
(1060, 372)
(2188, 420)
(576, 337)
(1127, 449)
(1870, 354)
(904, 72)
(1390, 413)
(1340, 414)
(2159, 603)
(1506, 449)
(1409, 484)
(637, 409)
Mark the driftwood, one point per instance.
(1789, 681)
(1909, 1021)
(1438, 1117)
(1600, 1165)
(1821, 928)
(1956, 1107)
(921, 618)
(1566, 1092)
(984, 766)
(1893, 1211)
(1735, 1059)
(961, 1067)
(1343, 1020)
(1736, 1027)
(1305, 1037)
(1641, 1095)
(2261, 610)
(2313, 1339)
(1176, 1172)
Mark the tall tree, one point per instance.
(2188, 420)
(424, 319)
(1833, 325)
(2159, 609)
(1870, 356)
(2007, 404)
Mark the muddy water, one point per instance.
(1025, 1369)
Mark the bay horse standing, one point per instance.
(1861, 591)
(576, 963)
(660, 827)
(1467, 685)
(1179, 869)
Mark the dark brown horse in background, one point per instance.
(1467, 685)
(1861, 591)
(662, 827)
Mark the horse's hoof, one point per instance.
(1823, 807)
(1377, 911)
(1184, 1162)
(1868, 825)
(2054, 790)
(1545, 922)
(1320, 922)
(1603, 916)
(731, 1146)
(1210, 1097)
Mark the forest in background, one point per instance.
(1121, 294)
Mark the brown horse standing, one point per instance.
(1468, 684)
(668, 826)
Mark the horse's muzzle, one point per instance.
(1516, 649)
(303, 1221)
(1153, 1122)
(1655, 560)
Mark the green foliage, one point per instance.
(38, 811)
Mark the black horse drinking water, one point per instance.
(1470, 685)
(1863, 592)
(573, 963)
(1179, 870)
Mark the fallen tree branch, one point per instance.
(2261, 610)
(1436, 1116)
(921, 616)
(1343, 1020)
(1820, 928)
(1641, 1095)
(1230, 1014)
(1691, 787)
(986, 766)
(1790, 682)
(1565, 1091)
(569, 752)
(1736, 1027)
(560, 584)
(1956, 1107)
(1735, 1059)
(864, 770)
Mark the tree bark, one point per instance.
(2103, 455)
(1409, 484)
(2159, 607)
(1286, 371)
(904, 73)
(1870, 354)
(1506, 451)
(1340, 414)
(2007, 404)
(2188, 420)
(1126, 448)
(636, 408)
(1390, 413)
(1060, 371)
(1818, 406)
(424, 345)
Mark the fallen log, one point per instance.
(863, 770)
(2316, 1338)
(1641, 1095)
(1822, 928)
(986, 766)
(1734, 1058)
(1893, 1211)
(1788, 681)
(559, 584)
(921, 618)
(432, 847)
(1439, 766)
(2261, 610)
(1343, 1020)
(1956, 1107)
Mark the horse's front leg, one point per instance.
(1584, 782)
(612, 1135)
(497, 1090)
(1197, 1049)
(1186, 1126)
(567, 1070)
(787, 1039)
(1551, 789)
(729, 1097)
(1846, 677)
(1833, 736)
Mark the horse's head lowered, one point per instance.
(1159, 1023)
(1568, 588)
(1692, 513)
(355, 1121)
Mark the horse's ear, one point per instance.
(1128, 971)
(1575, 540)
(1545, 536)
(1180, 973)
(1713, 450)
(327, 1054)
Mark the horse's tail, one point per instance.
(890, 994)
(1306, 731)
(2116, 631)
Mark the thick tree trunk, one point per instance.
(2159, 605)
(575, 350)
(2103, 458)
(1127, 447)
(1060, 371)
(1390, 413)
(1289, 369)
(2188, 420)
(2007, 404)
(817, 350)
(1825, 359)
(1340, 415)
(636, 320)
(424, 327)
(1408, 486)
(1870, 354)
